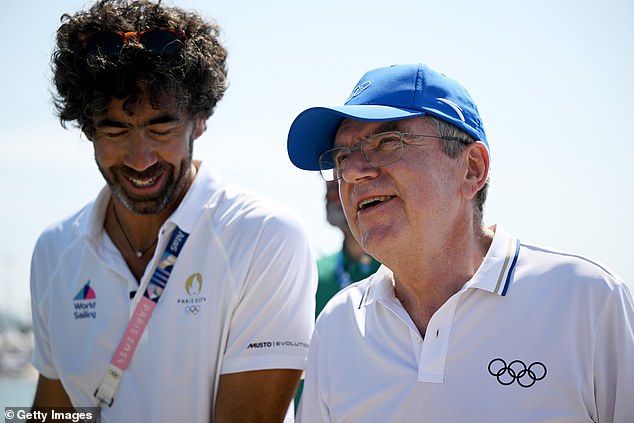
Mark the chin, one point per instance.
(380, 239)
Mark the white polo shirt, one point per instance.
(240, 297)
(535, 336)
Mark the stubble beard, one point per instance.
(172, 190)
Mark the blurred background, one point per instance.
(552, 79)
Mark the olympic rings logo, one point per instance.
(192, 309)
(517, 371)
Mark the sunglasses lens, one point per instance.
(161, 42)
(104, 43)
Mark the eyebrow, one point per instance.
(387, 127)
(110, 123)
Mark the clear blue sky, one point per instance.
(553, 81)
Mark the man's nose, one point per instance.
(141, 154)
(358, 168)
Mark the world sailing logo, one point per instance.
(85, 303)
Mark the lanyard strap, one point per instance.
(140, 317)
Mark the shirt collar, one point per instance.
(494, 274)
(380, 287)
(89, 221)
(198, 195)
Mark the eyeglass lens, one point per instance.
(105, 43)
(380, 150)
(160, 41)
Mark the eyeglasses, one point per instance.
(378, 150)
(160, 41)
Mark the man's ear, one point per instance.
(477, 160)
(200, 126)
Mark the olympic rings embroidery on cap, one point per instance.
(517, 371)
(358, 90)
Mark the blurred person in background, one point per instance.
(348, 265)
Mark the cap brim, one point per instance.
(314, 130)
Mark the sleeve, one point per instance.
(312, 406)
(614, 359)
(40, 270)
(273, 321)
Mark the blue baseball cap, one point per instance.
(389, 93)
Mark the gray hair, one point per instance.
(453, 148)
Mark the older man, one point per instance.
(463, 322)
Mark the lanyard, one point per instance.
(140, 317)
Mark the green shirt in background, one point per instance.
(337, 271)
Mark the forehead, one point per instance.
(352, 131)
(142, 109)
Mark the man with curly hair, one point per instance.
(172, 296)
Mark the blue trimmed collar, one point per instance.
(494, 274)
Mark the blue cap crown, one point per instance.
(389, 93)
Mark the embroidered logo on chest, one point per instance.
(517, 371)
(85, 303)
(193, 301)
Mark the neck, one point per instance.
(138, 252)
(139, 231)
(425, 279)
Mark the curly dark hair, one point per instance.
(85, 81)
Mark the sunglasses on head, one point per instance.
(161, 41)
